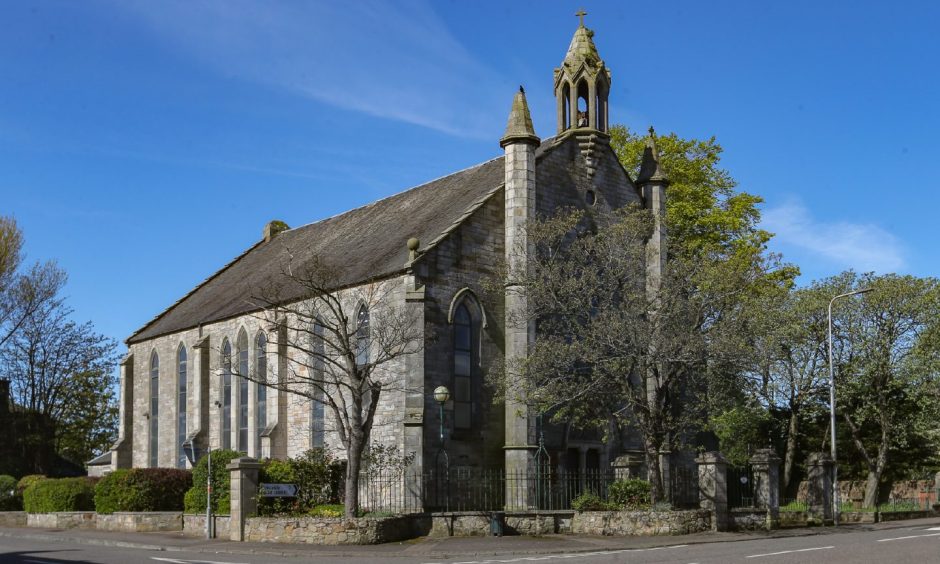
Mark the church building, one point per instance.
(431, 247)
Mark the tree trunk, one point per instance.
(353, 465)
(654, 471)
(789, 457)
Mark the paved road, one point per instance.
(911, 544)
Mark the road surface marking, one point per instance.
(909, 537)
(561, 556)
(790, 551)
(177, 561)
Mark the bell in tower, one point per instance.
(582, 84)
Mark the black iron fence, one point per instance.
(482, 489)
(740, 486)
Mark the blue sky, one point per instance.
(145, 144)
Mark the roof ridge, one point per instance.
(396, 194)
(193, 291)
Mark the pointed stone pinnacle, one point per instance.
(650, 168)
(519, 127)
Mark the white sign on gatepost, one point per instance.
(278, 490)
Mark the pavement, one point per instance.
(432, 548)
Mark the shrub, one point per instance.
(328, 510)
(195, 499)
(316, 474)
(10, 499)
(143, 489)
(64, 494)
(629, 494)
(589, 501)
(27, 481)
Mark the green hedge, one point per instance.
(10, 499)
(195, 499)
(27, 481)
(65, 494)
(143, 489)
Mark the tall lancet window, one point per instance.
(463, 368)
(261, 373)
(154, 409)
(181, 384)
(317, 381)
(226, 394)
(363, 336)
(242, 345)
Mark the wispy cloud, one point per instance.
(860, 246)
(393, 60)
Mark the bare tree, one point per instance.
(339, 348)
(605, 347)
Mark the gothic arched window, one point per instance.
(363, 336)
(226, 394)
(154, 408)
(463, 368)
(182, 386)
(242, 347)
(261, 373)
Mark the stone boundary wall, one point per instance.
(62, 520)
(794, 519)
(641, 523)
(477, 523)
(334, 531)
(744, 519)
(194, 525)
(12, 518)
(140, 522)
(902, 515)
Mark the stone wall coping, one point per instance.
(66, 513)
(243, 463)
(746, 510)
(512, 513)
(143, 513)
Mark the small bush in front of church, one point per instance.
(142, 489)
(629, 494)
(195, 499)
(63, 494)
(10, 500)
(589, 501)
(318, 477)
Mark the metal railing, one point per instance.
(486, 489)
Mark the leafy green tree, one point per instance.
(704, 212)
(887, 377)
(64, 371)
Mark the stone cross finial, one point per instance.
(652, 131)
(581, 13)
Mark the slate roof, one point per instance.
(370, 242)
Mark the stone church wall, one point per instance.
(294, 436)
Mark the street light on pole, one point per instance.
(832, 411)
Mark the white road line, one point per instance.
(909, 537)
(790, 551)
(566, 556)
(934, 529)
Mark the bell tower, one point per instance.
(582, 84)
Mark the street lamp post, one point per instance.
(832, 411)
(441, 395)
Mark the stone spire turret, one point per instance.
(582, 77)
(519, 127)
(650, 168)
(519, 145)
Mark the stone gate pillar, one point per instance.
(713, 487)
(766, 466)
(244, 494)
(819, 487)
